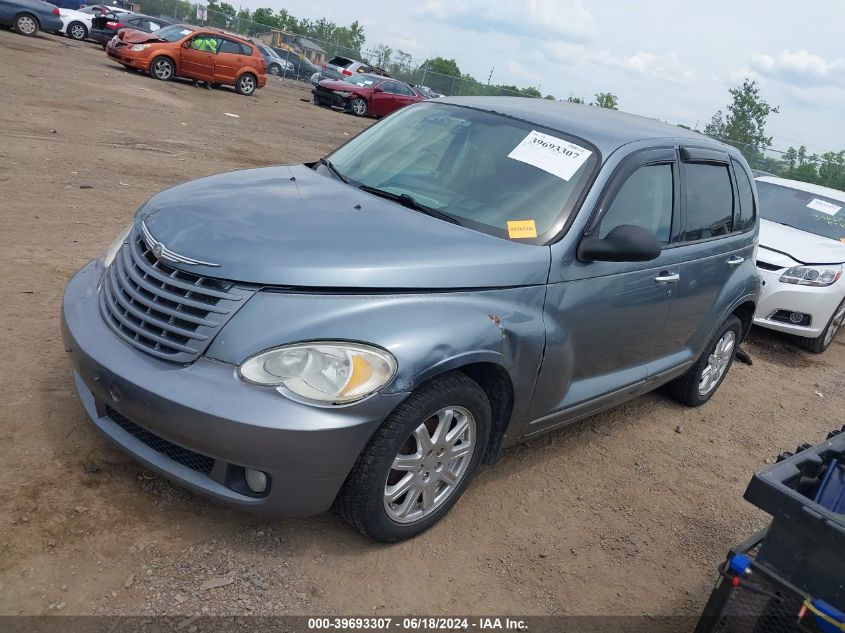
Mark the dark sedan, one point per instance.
(107, 25)
(366, 94)
(27, 16)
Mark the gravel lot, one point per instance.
(626, 512)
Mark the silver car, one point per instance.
(363, 331)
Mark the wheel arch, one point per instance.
(745, 313)
(30, 14)
(485, 368)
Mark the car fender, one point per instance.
(428, 333)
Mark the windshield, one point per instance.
(363, 79)
(174, 32)
(802, 210)
(490, 172)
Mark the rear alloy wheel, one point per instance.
(246, 84)
(358, 106)
(77, 31)
(26, 24)
(162, 69)
(419, 462)
(275, 69)
(822, 341)
(702, 380)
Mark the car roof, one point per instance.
(606, 129)
(819, 190)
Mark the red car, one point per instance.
(365, 94)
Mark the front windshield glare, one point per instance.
(802, 210)
(490, 172)
(362, 80)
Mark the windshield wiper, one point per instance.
(333, 169)
(409, 202)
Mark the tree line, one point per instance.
(743, 125)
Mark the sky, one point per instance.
(670, 59)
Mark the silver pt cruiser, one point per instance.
(363, 331)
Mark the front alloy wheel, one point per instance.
(419, 462)
(430, 465)
(358, 106)
(162, 69)
(823, 340)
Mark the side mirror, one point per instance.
(624, 243)
(378, 89)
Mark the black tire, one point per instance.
(76, 31)
(822, 341)
(687, 388)
(26, 24)
(275, 69)
(361, 501)
(359, 106)
(246, 84)
(162, 68)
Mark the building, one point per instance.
(313, 51)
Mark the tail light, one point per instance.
(114, 25)
(347, 72)
(56, 11)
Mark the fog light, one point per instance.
(796, 317)
(256, 480)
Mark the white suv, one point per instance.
(800, 260)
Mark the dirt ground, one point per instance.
(626, 512)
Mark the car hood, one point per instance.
(134, 36)
(291, 226)
(801, 246)
(334, 84)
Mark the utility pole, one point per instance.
(490, 76)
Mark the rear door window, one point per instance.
(709, 201)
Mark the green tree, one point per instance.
(574, 99)
(441, 74)
(550, 97)
(744, 123)
(606, 100)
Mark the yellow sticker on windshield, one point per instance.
(521, 229)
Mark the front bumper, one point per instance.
(330, 97)
(124, 55)
(206, 411)
(817, 302)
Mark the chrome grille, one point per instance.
(164, 311)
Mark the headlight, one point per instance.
(812, 275)
(342, 93)
(140, 47)
(112, 250)
(326, 371)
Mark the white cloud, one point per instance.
(800, 68)
(666, 66)
(537, 19)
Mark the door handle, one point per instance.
(736, 260)
(667, 278)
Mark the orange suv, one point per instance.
(203, 54)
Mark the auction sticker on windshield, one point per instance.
(551, 154)
(522, 229)
(824, 206)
